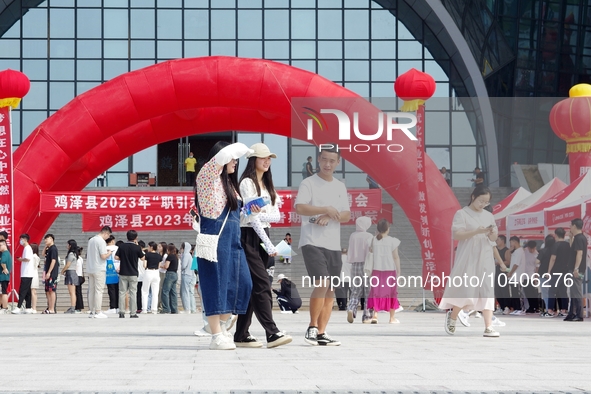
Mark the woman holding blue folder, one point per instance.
(256, 183)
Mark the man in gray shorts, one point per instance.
(323, 203)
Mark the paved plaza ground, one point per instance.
(160, 354)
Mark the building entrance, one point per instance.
(172, 155)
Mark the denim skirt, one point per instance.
(225, 285)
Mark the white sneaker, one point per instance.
(28, 311)
(17, 311)
(221, 342)
(91, 315)
(111, 311)
(399, 309)
(491, 333)
(201, 333)
(497, 322)
(449, 324)
(463, 317)
(286, 312)
(506, 311)
(498, 311)
(100, 315)
(520, 313)
(230, 322)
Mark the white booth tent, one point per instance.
(542, 194)
(512, 199)
(531, 222)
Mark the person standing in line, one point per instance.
(542, 263)
(190, 163)
(128, 255)
(226, 285)
(81, 280)
(502, 293)
(517, 269)
(151, 278)
(69, 271)
(558, 268)
(28, 272)
(112, 276)
(163, 250)
(323, 204)
(50, 272)
(287, 239)
(96, 261)
(6, 271)
(577, 266)
(188, 280)
(474, 228)
(384, 297)
(359, 243)
(140, 277)
(530, 291)
(257, 181)
(169, 294)
(35, 283)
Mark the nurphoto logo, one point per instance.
(385, 121)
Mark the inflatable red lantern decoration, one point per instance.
(414, 87)
(14, 85)
(570, 120)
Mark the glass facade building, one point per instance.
(67, 47)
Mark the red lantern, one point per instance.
(14, 85)
(414, 87)
(570, 120)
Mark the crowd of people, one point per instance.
(230, 261)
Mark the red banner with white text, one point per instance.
(6, 189)
(181, 220)
(124, 210)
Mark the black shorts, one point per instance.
(321, 262)
(4, 285)
(50, 285)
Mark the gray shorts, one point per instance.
(71, 278)
(321, 262)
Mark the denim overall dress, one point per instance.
(225, 285)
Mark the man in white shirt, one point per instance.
(27, 272)
(96, 260)
(531, 292)
(323, 203)
(517, 269)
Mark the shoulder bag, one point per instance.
(206, 245)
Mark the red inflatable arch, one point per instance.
(184, 97)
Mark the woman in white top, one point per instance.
(359, 243)
(35, 282)
(474, 228)
(257, 181)
(383, 295)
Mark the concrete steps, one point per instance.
(70, 227)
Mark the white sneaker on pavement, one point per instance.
(112, 311)
(221, 342)
(100, 315)
(463, 317)
(497, 322)
(201, 333)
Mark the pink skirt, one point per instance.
(383, 295)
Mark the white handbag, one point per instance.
(206, 245)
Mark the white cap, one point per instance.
(261, 150)
(281, 276)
